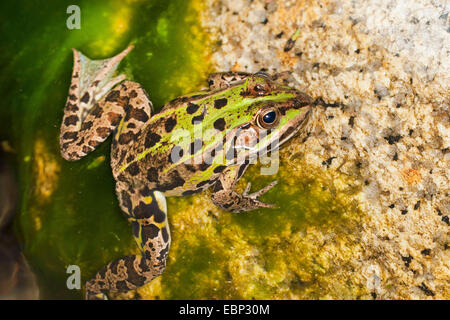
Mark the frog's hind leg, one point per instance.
(89, 116)
(147, 212)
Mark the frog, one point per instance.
(181, 150)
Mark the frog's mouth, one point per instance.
(295, 130)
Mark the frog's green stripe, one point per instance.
(246, 102)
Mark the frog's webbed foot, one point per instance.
(91, 113)
(94, 78)
(226, 198)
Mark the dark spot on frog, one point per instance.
(219, 124)
(395, 158)
(192, 108)
(86, 125)
(85, 98)
(94, 143)
(151, 139)
(165, 234)
(220, 103)
(70, 135)
(97, 111)
(201, 184)
(426, 252)
(219, 169)
(357, 51)
(198, 119)
(145, 191)
(126, 201)
(149, 231)
(135, 228)
(138, 114)
(374, 295)
(203, 166)
(113, 96)
(174, 181)
(82, 141)
(72, 107)
(417, 205)
(170, 124)
(87, 149)
(190, 192)
(71, 120)
(72, 97)
(133, 169)
(278, 36)
(133, 94)
(152, 174)
(446, 220)
(392, 206)
(131, 125)
(126, 137)
(133, 276)
(287, 133)
(143, 210)
(407, 260)
(404, 211)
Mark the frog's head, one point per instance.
(269, 115)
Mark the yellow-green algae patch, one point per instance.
(304, 249)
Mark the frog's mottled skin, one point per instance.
(143, 146)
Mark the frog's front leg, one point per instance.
(147, 212)
(226, 198)
(91, 112)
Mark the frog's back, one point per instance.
(155, 158)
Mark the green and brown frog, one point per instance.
(195, 142)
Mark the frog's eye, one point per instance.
(268, 118)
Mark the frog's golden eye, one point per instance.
(268, 118)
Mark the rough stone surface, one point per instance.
(383, 66)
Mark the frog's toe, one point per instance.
(96, 76)
(257, 194)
